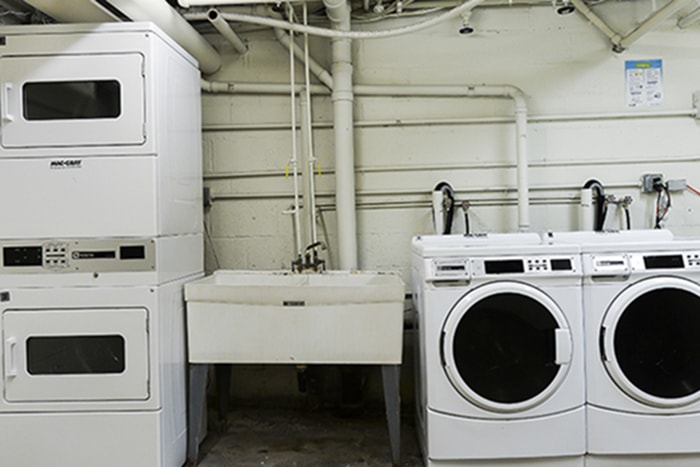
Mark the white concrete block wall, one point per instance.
(564, 65)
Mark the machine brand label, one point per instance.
(66, 164)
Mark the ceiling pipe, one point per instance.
(347, 34)
(596, 21)
(226, 31)
(689, 20)
(652, 21)
(315, 67)
(273, 89)
(156, 11)
(620, 43)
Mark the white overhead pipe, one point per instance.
(314, 66)
(258, 88)
(620, 43)
(596, 21)
(170, 21)
(294, 159)
(343, 128)
(156, 11)
(344, 33)
(311, 161)
(690, 19)
(338, 12)
(225, 30)
(512, 92)
(652, 21)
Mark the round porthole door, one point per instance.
(506, 346)
(650, 341)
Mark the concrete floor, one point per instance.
(307, 438)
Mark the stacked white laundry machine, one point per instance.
(100, 194)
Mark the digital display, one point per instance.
(132, 252)
(504, 266)
(561, 264)
(663, 262)
(17, 256)
(94, 254)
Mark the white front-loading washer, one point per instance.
(500, 377)
(642, 312)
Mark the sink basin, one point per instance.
(280, 317)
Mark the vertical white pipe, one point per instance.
(307, 173)
(523, 182)
(586, 213)
(294, 161)
(309, 134)
(339, 13)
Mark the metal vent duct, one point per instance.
(158, 12)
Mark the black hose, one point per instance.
(601, 208)
(448, 199)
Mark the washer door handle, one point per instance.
(10, 357)
(562, 346)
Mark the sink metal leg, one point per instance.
(195, 406)
(223, 390)
(392, 400)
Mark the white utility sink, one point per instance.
(283, 317)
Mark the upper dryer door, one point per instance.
(72, 101)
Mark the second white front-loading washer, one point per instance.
(500, 378)
(642, 312)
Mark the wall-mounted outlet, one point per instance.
(648, 181)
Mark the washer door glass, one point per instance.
(650, 342)
(504, 345)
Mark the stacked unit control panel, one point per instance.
(100, 190)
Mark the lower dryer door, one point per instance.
(73, 355)
(506, 346)
(650, 341)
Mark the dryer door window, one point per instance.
(506, 346)
(76, 355)
(72, 101)
(649, 341)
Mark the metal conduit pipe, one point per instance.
(314, 66)
(338, 12)
(225, 30)
(507, 91)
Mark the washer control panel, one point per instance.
(452, 269)
(103, 255)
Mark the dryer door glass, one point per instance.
(656, 342)
(504, 348)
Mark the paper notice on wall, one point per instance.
(643, 79)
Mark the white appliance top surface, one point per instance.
(94, 28)
(590, 239)
(510, 244)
